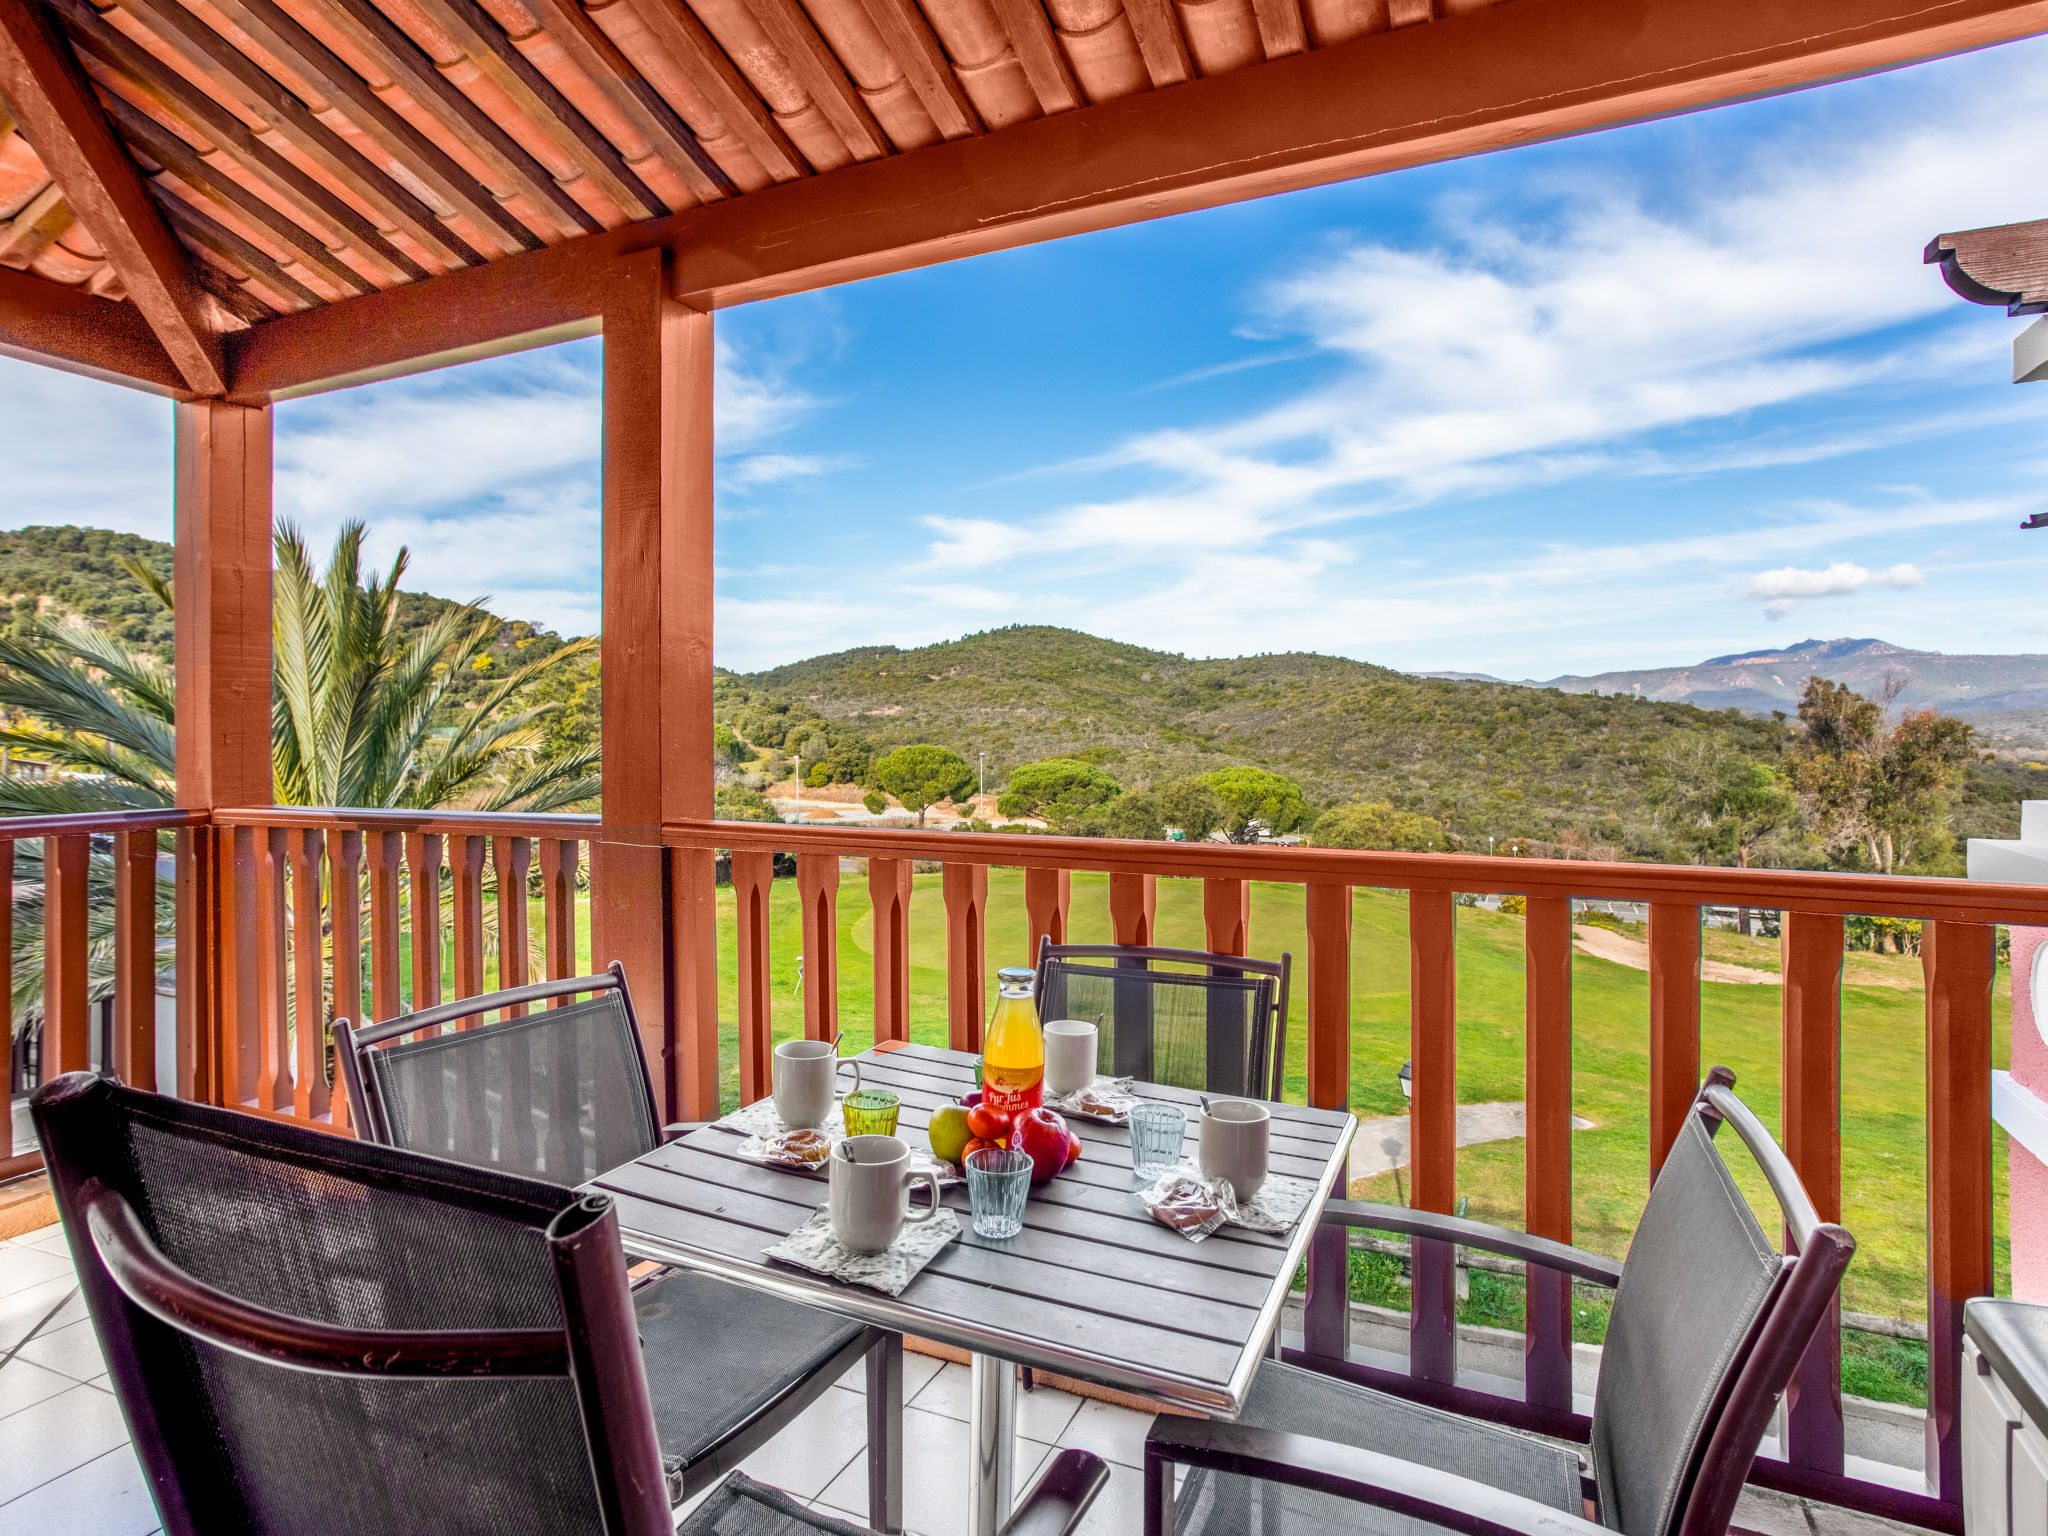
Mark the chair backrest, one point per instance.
(559, 1092)
(1183, 1017)
(1708, 1323)
(311, 1333)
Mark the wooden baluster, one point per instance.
(1329, 996)
(195, 893)
(1133, 908)
(306, 849)
(240, 1017)
(753, 881)
(889, 891)
(423, 865)
(345, 920)
(135, 959)
(558, 908)
(511, 858)
(1674, 1022)
(966, 891)
(1433, 1124)
(1227, 916)
(67, 1025)
(690, 1063)
(466, 869)
(1547, 1159)
(1959, 961)
(1812, 1067)
(386, 1000)
(273, 1051)
(817, 887)
(1047, 895)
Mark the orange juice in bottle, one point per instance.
(1013, 1053)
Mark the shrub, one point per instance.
(1056, 787)
(1376, 824)
(1256, 802)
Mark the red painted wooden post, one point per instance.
(1432, 1123)
(423, 866)
(1811, 1057)
(1547, 1161)
(1329, 996)
(1133, 909)
(1674, 1022)
(67, 1027)
(466, 869)
(273, 1051)
(817, 887)
(345, 920)
(658, 511)
(511, 858)
(889, 890)
(305, 849)
(558, 859)
(386, 1000)
(966, 892)
(134, 959)
(1047, 895)
(1959, 960)
(220, 576)
(753, 883)
(1227, 916)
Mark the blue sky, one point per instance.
(1627, 400)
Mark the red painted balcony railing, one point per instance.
(262, 942)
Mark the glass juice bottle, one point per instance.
(1013, 1053)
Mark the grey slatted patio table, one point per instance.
(1092, 1288)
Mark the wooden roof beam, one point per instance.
(69, 329)
(823, 76)
(925, 65)
(58, 111)
(1044, 61)
(1507, 75)
(699, 57)
(2004, 264)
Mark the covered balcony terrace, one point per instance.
(242, 202)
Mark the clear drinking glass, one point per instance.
(871, 1112)
(1156, 1134)
(998, 1180)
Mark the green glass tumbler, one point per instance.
(871, 1112)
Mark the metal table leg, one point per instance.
(992, 1444)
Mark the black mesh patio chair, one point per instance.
(563, 1093)
(1708, 1323)
(1183, 1017)
(308, 1333)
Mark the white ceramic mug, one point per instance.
(806, 1072)
(1069, 1056)
(1236, 1138)
(869, 1200)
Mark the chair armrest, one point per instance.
(1540, 1251)
(1060, 1498)
(681, 1128)
(1366, 1477)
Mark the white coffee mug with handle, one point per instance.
(1236, 1142)
(869, 1195)
(806, 1071)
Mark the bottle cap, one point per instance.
(1016, 973)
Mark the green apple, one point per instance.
(948, 1133)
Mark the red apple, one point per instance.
(1073, 1149)
(969, 1100)
(1043, 1137)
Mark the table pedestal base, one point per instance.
(992, 1444)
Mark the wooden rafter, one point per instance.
(372, 32)
(1044, 61)
(209, 234)
(394, 136)
(68, 328)
(288, 117)
(1160, 41)
(55, 103)
(677, 28)
(823, 76)
(925, 66)
(131, 67)
(1280, 27)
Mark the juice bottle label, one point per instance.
(1012, 1090)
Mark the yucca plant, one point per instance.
(354, 708)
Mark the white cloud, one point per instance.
(1785, 588)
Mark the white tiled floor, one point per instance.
(66, 1469)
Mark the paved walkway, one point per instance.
(1382, 1145)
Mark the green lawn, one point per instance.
(1882, 1044)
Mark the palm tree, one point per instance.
(358, 718)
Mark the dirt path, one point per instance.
(1606, 944)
